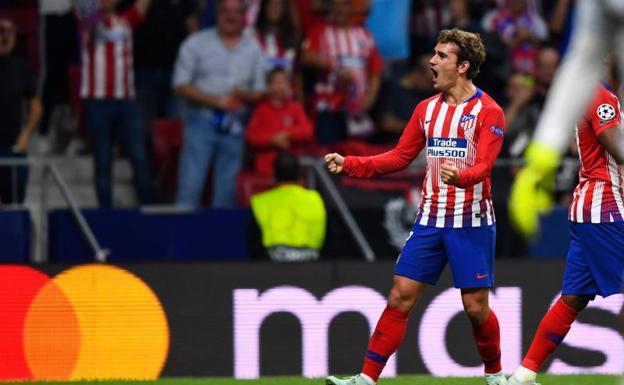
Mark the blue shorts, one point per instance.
(595, 261)
(469, 251)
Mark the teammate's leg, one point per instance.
(550, 333)
(579, 287)
(553, 328)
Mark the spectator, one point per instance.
(399, 97)
(348, 75)
(220, 73)
(60, 51)
(155, 51)
(428, 17)
(107, 88)
(310, 14)
(526, 99)
(17, 87)
(277, 33)
(288, 221)
(278, 124)
(459, 11)
(561, 23)
(521, 28)
(518, 94)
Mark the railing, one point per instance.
(315, 165)
(321, 173)
(49, 170)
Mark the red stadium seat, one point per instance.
(249, 183)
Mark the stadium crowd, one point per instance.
(227, 85)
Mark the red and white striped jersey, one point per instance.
(350, 48)
(469, 134)
(107, 57)
(598, 198)
(275, 54)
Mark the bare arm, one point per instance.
(35, 111)
(518, 103)
(612, 140)
(559, 16)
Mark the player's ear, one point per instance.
(463, 67)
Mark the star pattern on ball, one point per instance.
(605, 112)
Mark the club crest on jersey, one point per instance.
(466, 121)
(447, 148)
(466, 118)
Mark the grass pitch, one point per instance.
(400, 380)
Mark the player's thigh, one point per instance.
(578, 278)
(470, 253)
(603, 247)
(422, 258)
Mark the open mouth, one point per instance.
(435, 73)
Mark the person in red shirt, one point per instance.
(278, 123)
(347, 67)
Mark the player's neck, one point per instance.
(460, 92)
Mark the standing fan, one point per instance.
(88, 11)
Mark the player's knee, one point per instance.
(475, 310)
(576, 302)
(401, 299)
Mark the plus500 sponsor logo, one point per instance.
(252, 308)
(447, 147)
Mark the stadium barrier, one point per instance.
(50, 173)
(221, 234)
(145, 321)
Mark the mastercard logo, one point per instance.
(88, 322)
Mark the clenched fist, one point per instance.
(449, 173)
(334, 162)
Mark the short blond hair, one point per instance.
(471, 48)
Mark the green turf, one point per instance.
(401, 380)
